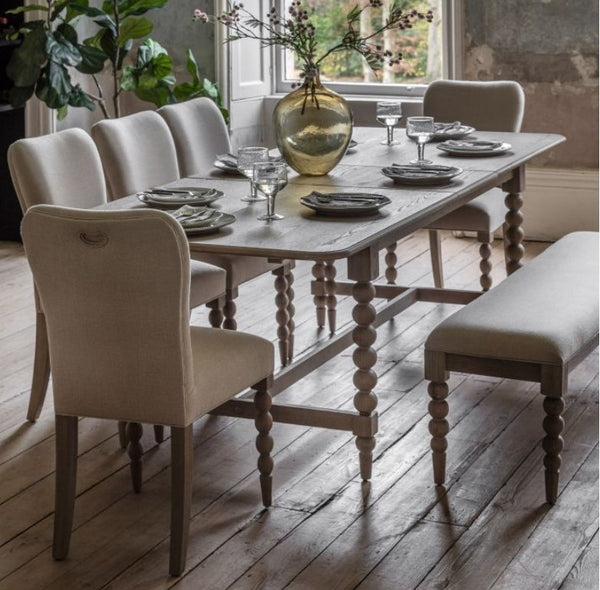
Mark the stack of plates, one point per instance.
(344, 204)
(474, 147)
(170, 199)
(430, 174)
(201, 220)
(456, 130)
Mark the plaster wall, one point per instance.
(551, 48)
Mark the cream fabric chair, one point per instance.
(487, 106)
(135, 359)
(140, 151)
(64, 169)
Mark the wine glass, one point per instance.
(247, 157)
(270, 178)
(389, 112)
(421, 130)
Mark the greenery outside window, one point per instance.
(427, 49)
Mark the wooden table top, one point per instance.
(304, 235)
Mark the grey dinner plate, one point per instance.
(345, 204)
(473, 148)
(197, 197)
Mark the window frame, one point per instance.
(452, 55)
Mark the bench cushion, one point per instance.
(543, 313)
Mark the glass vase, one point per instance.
(313, 127)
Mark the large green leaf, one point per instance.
(78, 98)
(92, 60)
(134, 28)
(68, 32)
(138, 7)
(27, 60)
(73, 11)
(192, 66)
(61, 51)
(28, 8)
(162, 65)
(159, 95)
(54, 86)
(19, 95)
(128, 80)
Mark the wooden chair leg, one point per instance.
(291, 325)
(66, 477)
(438, 428)
(135, 450)
(553, 445)
(331, 299)
(159, 433)
(264, 441)
(229, 310)
(182, 463)
(41, 369)
(435, 251)
(123, 440)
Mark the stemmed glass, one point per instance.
(421, 130)
(270, 178)
(247, 157)
(389, 112)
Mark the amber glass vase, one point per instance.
(313, 127)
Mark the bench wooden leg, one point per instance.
(215, 316)
(229, 310)
(135, 451)
(435, 252)
(291, 312)
(438, 428)
(485, 266)
(553, 445)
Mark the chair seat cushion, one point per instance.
(484, 214)
(207, 282)
(239, 268)
(225, 363)
(543, 313)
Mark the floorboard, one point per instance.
(488, 528)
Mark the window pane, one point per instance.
(421, 45)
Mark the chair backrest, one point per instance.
(114, 286)
(62, 168)
(487, 106)
(200, 134)
(137, 152)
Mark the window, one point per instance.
(426, 49)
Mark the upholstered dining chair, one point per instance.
(487, 106)
(64, 169)
(142, 150)
(136, 359)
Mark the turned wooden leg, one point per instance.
(291, 309)
(438, 428)
(514, 232)
(66, 477)
(282, 316)
(435, 252)
(391, 274)
(264, 441)
(485, 266)
(318, 272)
(229, 310)
(159, 433)
(123, 434)
(135, 451)
(215, 315)
(364, 357)
(331, 299)
(41, 369)
(552, 444)
(182, 469)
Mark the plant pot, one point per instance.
(313, 127)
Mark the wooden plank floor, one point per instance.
(326, 530)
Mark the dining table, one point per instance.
(305, 234)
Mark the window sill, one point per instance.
(363, 106)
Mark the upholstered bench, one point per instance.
(536, 325)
